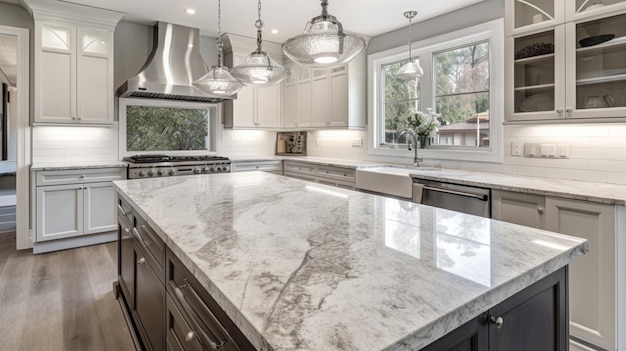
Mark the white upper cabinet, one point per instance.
(570, 67)
(254, 107)
(332, 98)
(73, 54)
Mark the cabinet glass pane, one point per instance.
(583, 6)
(601, 63)
(533, 11)
(55, 38)
(534, 73)
(94, 44)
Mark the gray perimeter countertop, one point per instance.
(77, 165)
(302, 266)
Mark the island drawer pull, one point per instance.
(482, 197)
(207, 331)
(140, 238)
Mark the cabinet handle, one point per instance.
(210, 332)
(140, 238)
(497, 321)
(82, 176)
(78, 118)
(141, 260)
(540, 210)
(190, 336)
(127, 230)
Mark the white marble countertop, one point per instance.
(325, 161)
(303, 266)
(77, 165)
(611, 194)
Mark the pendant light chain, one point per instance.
(259, 33)
(220, 46)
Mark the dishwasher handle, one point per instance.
(482, 197)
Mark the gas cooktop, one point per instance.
(166, 158)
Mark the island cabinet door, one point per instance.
(533, 319)
(126, 255)
(472, 336)
(149, 303)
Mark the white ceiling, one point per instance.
(368, 17)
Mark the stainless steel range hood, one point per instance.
(174, 64)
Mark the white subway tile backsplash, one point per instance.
(70, 144)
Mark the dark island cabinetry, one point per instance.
(533, 319)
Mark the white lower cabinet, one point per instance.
(518, 208)
(597, 281)
(269, 166)
(592, 278)
(341, 177)
(75, 208)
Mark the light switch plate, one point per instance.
(517, 148)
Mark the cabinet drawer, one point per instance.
(336, 183)
(295, 167)
(177, 330)
(310, 178)
(151, 243)
(79, 176)
(125, 211)
(340, 173)
(200, 311)
(265, 166)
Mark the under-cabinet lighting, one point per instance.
(190, 11)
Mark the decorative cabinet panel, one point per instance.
(575, 68)
(594, 289)
(73, 74)
(592, 278)
(253, 107)
(297, 97)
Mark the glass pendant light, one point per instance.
(323, 44)
(218, 80)
(259, 69)
(411, 69)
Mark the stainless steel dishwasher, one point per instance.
(461, 198)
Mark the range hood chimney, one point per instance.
(174, 64)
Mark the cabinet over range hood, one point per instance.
(174, 64)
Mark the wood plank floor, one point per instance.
(61, 300)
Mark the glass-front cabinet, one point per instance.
(532, 15)
(573, 70)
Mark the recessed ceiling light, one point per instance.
(274, 31)
(190, 11)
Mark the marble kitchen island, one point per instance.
(302, 266)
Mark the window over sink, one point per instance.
(149, 126)
(461, 91)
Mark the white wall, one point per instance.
(597, 151)
(58, 144)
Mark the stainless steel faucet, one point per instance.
(416, 159)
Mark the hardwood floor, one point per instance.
(61, 300)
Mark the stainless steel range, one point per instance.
(151, 166)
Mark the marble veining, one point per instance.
(303, 266)
(77, 165)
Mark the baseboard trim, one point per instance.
(71, 243)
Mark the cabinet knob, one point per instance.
(127, 230)
(540, 210)
(568, 110)
(559, 110)
(82, 176)
(141, 260)
(190, 336)
(498, 321)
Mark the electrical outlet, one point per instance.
(357, 142)
(517, 148)
(564, 151)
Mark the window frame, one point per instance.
(492, 31)
(214, 125)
